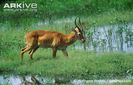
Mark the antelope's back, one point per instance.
(50, 39)
(33, 35)
(44, 38)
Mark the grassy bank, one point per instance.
(84, 65)
(79, 65)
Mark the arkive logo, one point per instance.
(20, 6)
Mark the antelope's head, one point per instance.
(79, 32)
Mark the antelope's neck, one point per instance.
(70, 38)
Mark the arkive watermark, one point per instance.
(22, 6)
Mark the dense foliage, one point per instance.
(60, 8)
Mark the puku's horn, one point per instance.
(76, 23)
(80, 24)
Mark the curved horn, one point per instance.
(80, 24)
(75, 22)
(81, 27)
(79, 21)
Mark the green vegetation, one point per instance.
(95, 12)
(66, 24)
(48, 8)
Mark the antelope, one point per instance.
(51, 39)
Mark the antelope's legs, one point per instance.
(23, 49)
(54, 52)
(65, 53)
(32, 51)
(26, 49)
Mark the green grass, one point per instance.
(80, 64)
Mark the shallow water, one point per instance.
(110, 38)
(99, 82)
(23, 80)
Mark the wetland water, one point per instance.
(24, 80)
(109, 38)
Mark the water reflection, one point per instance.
(24, 80)
(38, 80)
